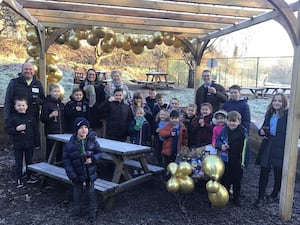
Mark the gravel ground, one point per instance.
(148, 203)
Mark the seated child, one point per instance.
(76, 107)
(139, 129)
(219, 121)
(163, 118)
(80, 158)
(175, 137)
(24, 131)
(202, 126)
(187, 121)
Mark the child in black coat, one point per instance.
(76, 107)
(80, 158)
(52, 115)
(24, 131)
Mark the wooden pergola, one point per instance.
(200, 20)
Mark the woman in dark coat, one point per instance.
(271, 151)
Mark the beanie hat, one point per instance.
(174, 113)
(79, 122)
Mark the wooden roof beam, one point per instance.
(154, 5)
(86, 17)
(237, 3)
(18, 8)
(100, 9)
(248, 23)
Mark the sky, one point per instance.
(268, 39)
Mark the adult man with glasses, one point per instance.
(210, 92)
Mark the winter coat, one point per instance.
(237, 140)
(71, 113)
(18, 87)
(165, 133)
(150, 102)
(203, 135)
(242, 107)
(187, 121)
(119, 116)
(142, 136)
(74, 158)
(271, 151)
(158, 107)
(29, 138)
(53, 125)
(215, 100)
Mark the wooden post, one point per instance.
(291, 145)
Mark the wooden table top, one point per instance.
(108, 146)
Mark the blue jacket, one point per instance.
(74, 158)
(237, 141)
(242, 107)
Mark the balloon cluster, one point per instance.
(180, 180)
(213, 167)
(54, 74)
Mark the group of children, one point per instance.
(152, 122)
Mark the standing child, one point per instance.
(219, 120)
(151, 99)
(175, 137)
(163, 118)
(271, 151)
(80, 158)
(202, 126)
(174, 105)
(23, 129)
(119, 116)
(187, 121)
(52, 115)
(160, 104)
(76, 107)
(233, 141)
(139, 129)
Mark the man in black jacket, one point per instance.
(210, 92)
(27, 86)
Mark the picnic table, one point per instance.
(123, 155)
(264, 90)
(156, 79)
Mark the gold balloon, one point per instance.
(109, 34)
(177, 43)
(172, 167)
(186, 184)
(212, 186)
(99, 31)
(150, 43)
(213, 166)
(92, 39)
(32, 50)
(184, 169)
(51, 68)
(168, 39)
(73, 41)
(61, 39)
(137, 49)
(119, 40)
(29, 27)
(32, 36)
(55, 77)
(158, 39)
(173, 184)
(105, 47)
(143, 39)
(220, 198)
(51, 58)
(126, 46)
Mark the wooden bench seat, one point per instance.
(59, 173)
(136, 164)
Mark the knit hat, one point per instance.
(79, 122)
(174, 113)
(222, 112)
